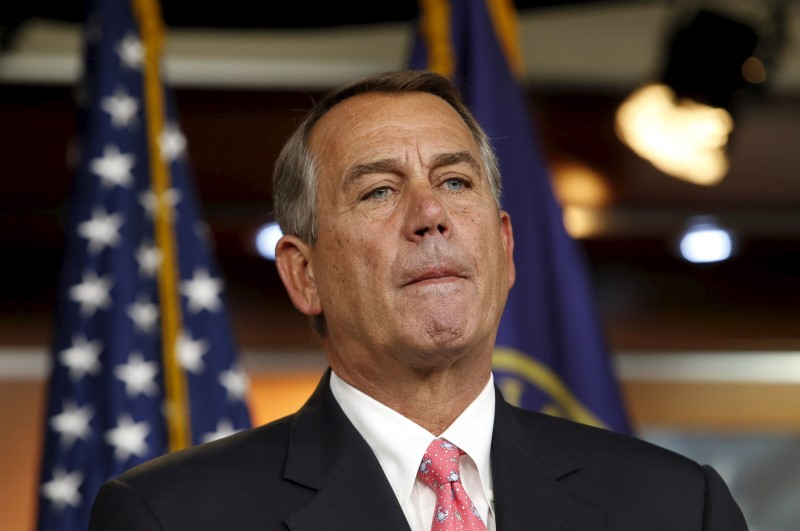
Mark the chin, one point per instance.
(450, 336)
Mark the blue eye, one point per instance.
(379, 193)
(454, 185)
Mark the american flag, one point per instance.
(143, 359)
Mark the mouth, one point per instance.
(434, 276)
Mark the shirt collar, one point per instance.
(472, 432)
(399, 443)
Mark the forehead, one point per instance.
(385, 125)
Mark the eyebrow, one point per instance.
(452, 159)
(359, 171)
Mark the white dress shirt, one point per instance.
(399, 445)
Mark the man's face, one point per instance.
(413, 260)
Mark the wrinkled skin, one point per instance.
(413, 261)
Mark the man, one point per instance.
(396, 247)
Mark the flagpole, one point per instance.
(148, 14)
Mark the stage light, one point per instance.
(267, 238)
(682, 123)
(705, 241)
(582, 191)
(682, 138)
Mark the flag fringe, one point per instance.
(434, 26)
(506, 27)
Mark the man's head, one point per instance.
(408, 256)
(296, 171)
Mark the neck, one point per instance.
(432, 398)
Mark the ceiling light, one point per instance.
(682, 138)
(705, 241)
(682, 123)
(267, 238)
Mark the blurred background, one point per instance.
(696, 273)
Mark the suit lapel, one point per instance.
(526, 472)
(326, 453)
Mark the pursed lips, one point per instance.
(435, 275)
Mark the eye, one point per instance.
(378, 193)
(455, 185)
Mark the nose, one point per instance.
(426, 214)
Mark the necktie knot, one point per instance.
(440, 463)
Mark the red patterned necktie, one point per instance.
(454, 510)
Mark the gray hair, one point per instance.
(294, 182)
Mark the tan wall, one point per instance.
(21, 406)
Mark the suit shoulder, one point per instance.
(600, 446)
(238, 455)
(638, 484)
(236, 482)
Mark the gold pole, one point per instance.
(148, 14)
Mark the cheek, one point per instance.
(352, 259)
(481, 235)
(486, 244)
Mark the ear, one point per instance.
(507, 235)
(293, 259)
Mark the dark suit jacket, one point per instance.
(313, 471)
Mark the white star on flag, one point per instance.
(235, 382)
(149, 258)
(144, 314)
(131, 52)
(172, 142)
(113, 168)
(72, 423)
(224, 428)
(82, 357)
(191, 352)
(62, 490)
(128, 438)
(202, 291)
(149, 201)
(102, 230)
(121, 106)
(92, 293)
(138, 376)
